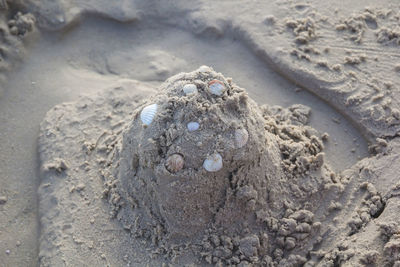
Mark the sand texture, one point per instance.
(272, 202)
(335, 53)
(174, 211)
(324, 78)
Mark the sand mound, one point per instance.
(185, 199)
(201, 158)
(198, 173)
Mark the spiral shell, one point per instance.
(189, 89)
(241, 137)
(193, 126)
(175, 163)
(216, 87)
(148, 113)
(213, 163)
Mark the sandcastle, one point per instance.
(201, 157)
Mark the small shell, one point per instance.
(204, 68)
(241, 137)
(193, 126)
(216, 87)
(148, 113)
(190, 88)
(213, 163)
(175, 163)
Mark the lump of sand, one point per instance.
(201, 157)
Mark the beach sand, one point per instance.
(341, 60)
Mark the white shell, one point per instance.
(204, 68)
(175, 163)
(213, 163)
(148, 113)
(216, 87)
(241, 137)
(190, 88)
(193, 126)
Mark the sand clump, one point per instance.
(257, 207)
(15, 31)
(21, 24)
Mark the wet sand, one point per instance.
(97, 53)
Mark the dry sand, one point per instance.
(340, 60)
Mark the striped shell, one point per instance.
(193, 126)
(190, 88)
(241, 137)
(148, 113)
(216, 87)
(204, 68)
(213, 163)
(174, 163)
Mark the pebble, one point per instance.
(325, 137)
(3, 200)
(80, 187)
(190, 89)
(193, 126)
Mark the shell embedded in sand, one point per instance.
(189, 89)
(193, 126)
(213, 163)
(175, 163)
(241, 137)
(148, 113)
(204, 68)
(216, 87)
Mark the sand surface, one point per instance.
(348, 77)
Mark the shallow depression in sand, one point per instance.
(97, 54)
